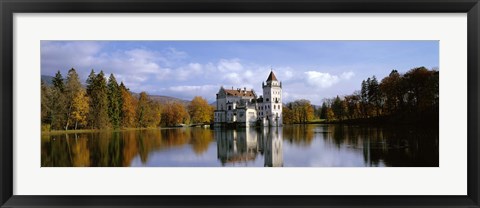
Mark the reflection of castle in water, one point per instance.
(244, 145)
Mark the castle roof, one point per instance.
(246, 93)
(271, 77)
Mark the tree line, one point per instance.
(105, 104)
(409, 97)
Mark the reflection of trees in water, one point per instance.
(390, 146)
(200, 140)
(244, 145)
(81, 154)
(397, 146)
(299, 134)
(113, 149)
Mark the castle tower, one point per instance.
(272, 101)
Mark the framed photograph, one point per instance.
(246, 104)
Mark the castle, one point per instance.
(241, 107)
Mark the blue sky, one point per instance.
(311, 70)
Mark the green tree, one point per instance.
(323, 113)
(98, 93)
(58, 82)
(45, 103)
(58, 102)
(114, 102)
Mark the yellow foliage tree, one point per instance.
(200, 111)
(128, 107)
(174, 113)
(80, 108)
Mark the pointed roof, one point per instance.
(271, 77)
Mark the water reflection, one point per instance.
(241, 146)
(290, 146)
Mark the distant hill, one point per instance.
(164, 99)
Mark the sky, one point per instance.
(311, 70)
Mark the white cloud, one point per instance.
(347, 75)
(324, 79)
(228, 65)
(321, 79)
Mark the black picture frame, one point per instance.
(9, 7)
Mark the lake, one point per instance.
(313, 145)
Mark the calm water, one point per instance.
(289, 146)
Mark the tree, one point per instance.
(323, 113)
(421, 87)
(364, 98)
(200, 111)
(128, 107)
(45, 104)
(58, 81)
(374, 95)
(97, 91)
(287, 113)
(80, 108)
(143, 110)
(353, 103)
(72, 87)
(174, 113)
(391, 88)
(301, 111)
(58, 102)
(339, 108)
(114, 101)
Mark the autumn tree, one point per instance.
(80, 108)
(391, 88)
(287, 113)
(300, 111)
(200, 111)
(143, 109)
(72, 87)
(129, 104)
(174, 113)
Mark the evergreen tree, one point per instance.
(323, 112)
(98, 93)
(58, 81)
(58, 102)
(114, 102)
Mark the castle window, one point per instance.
(274, 107)
(267, 99)
(229, 107)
